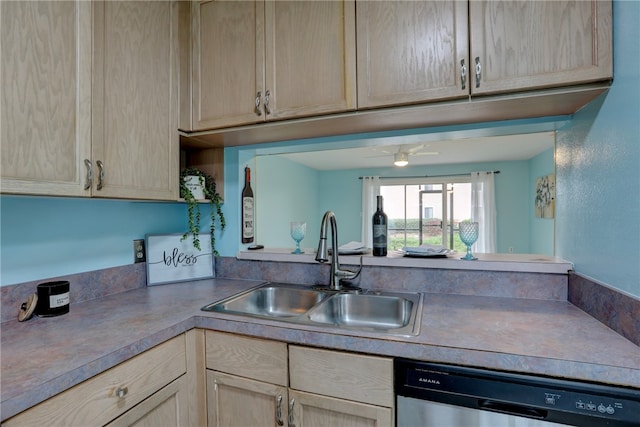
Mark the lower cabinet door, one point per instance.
(113, 393)
(234, 401)
(168, 407)
(313, 410)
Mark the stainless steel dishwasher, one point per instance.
(435, 395)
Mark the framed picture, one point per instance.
(545, 196)
(171, 259)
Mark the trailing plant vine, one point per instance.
(193, 206)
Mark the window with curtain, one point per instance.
(428, 210)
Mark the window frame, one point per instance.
(443, 180)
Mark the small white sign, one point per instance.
(171, 259)
(194, 185)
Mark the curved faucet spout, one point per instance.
(322, 255)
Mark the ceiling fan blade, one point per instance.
(414, 149)
(384, 150)
(378, 156)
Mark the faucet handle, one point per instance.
(349, 274)
(359, 269)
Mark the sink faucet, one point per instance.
(337, 272)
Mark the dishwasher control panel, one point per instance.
(549, 399)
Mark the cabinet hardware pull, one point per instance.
(463, 74)
(89, 180)
(279, 410)
(100, 175)
(478, 71)
(291, 423)
(121, 392)
(258, 110)
(267, 94)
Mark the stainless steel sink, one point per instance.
(364, 311)
(396, 313)
(270, 301)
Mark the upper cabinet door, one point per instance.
(310, 58)
(227, 63)
(45, 97)
(537, 44)
(255, 61)
(136, 102)
(411, 51)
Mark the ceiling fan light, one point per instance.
(401, 159)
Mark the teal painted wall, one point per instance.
(286, 191)
(341, 192)
(45, 237)
(598, 170)
(541, 228)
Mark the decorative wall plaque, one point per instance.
(171, 259)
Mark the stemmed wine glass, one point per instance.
(297, 233)
(468, 232)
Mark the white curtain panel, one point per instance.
(483, 210)
(370, 189)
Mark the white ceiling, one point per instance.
(468, 150)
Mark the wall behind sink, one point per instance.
(44, 237)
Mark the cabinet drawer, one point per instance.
(254, 358)
(95, 401)
(356, 377)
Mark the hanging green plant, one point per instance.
(193, 205)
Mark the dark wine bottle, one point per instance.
(379, 231)
(247, 208)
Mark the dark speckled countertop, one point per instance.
(44, 356)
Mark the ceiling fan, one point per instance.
(401, 153)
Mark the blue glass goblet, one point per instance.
(468, 232)
(298, 229)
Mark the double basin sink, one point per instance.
(396, 313)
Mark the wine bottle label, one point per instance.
(379, 236)
(247, 217)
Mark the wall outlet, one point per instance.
(510, 249)
(139, 254)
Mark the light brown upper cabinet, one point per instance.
(45, 96)
(538, 44)
(136, 100)
(268, 60)
(416, 52)
(410, 51)
(90, 99)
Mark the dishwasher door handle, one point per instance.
(511, 409)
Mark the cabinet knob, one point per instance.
(279, 410)
(478, 71)
(89, 180)
(258, 110)
(291, 420)
(267, 94)
(100, 175)
(121, 392)
(463, 74)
